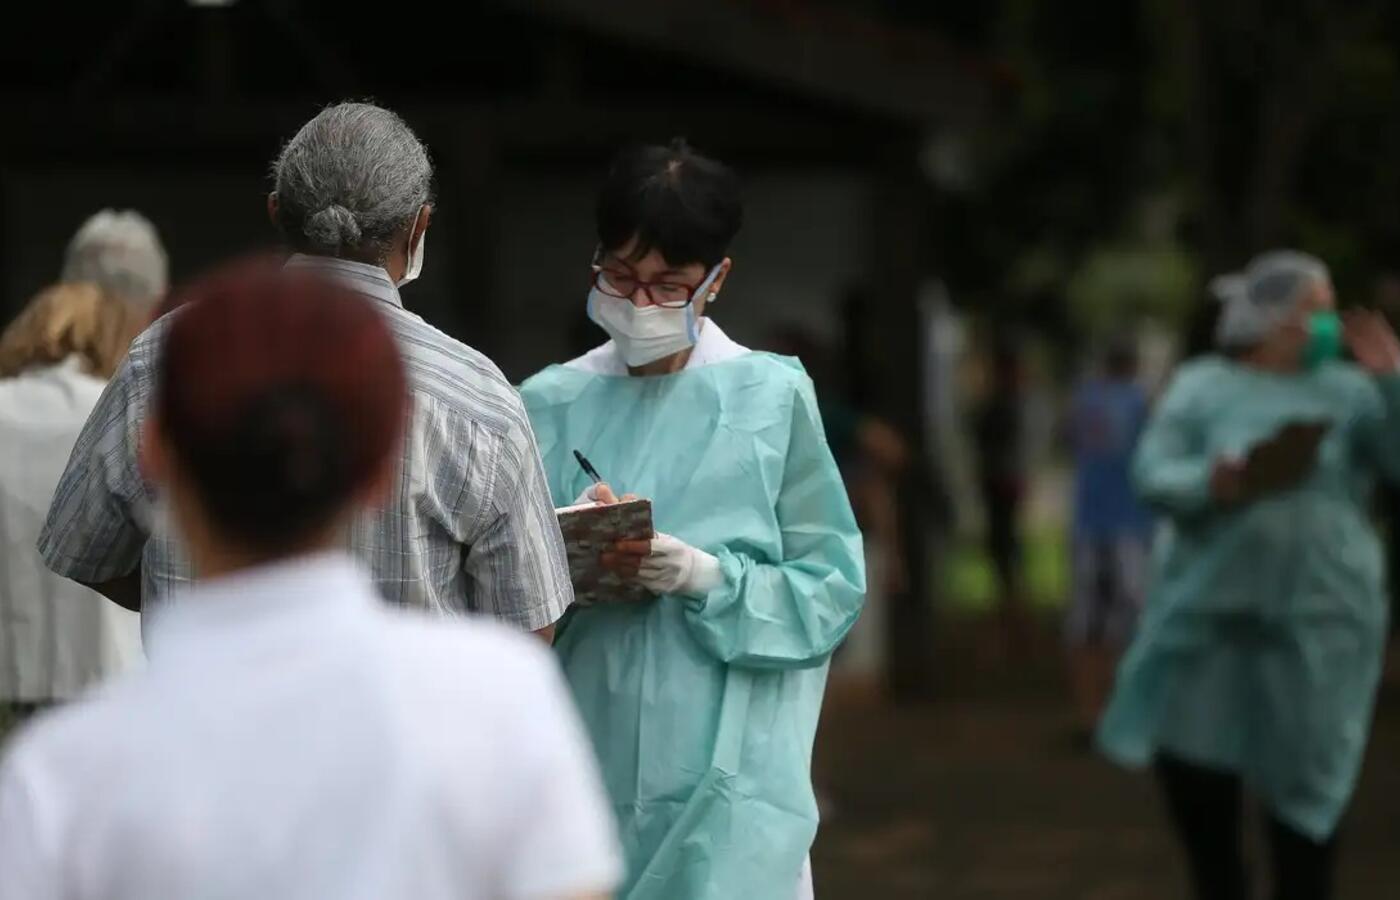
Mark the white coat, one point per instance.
(56, 636)
(293, 737)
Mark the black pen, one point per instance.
(588, 468)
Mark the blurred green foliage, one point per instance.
(969, 582)
(1151, 144)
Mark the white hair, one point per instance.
(121, 253)
(1257, 299)
(349, 181)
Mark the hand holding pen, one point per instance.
(600, 492)
(623, 557)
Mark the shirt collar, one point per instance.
(363, 278)
(713, 346)
(321, 586)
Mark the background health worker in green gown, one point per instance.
(1257, 661)
(703, 703)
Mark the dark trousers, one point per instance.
(1206, 808)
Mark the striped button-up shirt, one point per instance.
(470, 526)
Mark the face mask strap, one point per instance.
(413, 263)
(692, 321)
(709, 280)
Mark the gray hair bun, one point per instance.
(332, 228)
(350, 182)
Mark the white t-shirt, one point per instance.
(56, 636)
(294, 738)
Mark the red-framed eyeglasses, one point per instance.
(624, 284)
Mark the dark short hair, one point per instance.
(673, 200)
(281, 395)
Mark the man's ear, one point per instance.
(272, 208)
(725, 266)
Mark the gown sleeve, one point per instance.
(793, 613)
(1171, 468)
(1380, 427)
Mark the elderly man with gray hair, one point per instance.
(56, 637)
(469, 526)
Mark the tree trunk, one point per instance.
(899, 246)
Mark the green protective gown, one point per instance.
(1261, 645)
(703, 709)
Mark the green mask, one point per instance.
(1324, 339)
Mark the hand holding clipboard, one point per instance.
(1281, 461)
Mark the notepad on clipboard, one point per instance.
(1285, 458)
(589, 529)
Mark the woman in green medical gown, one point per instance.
(703, 703)
(1257, 660)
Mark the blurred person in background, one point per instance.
(702, 703)
(469, 527)
(871, 455)
(1000, 438)
(57, 637)
(1258, 656)
(1111, 528)
(288, 737)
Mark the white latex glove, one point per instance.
(589, 495)
(675, 567)
(602, 495)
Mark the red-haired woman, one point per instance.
(292, 736)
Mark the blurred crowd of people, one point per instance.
(1228, 606)
(255, 463)
(55, 359)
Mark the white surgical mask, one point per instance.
(415, 256)
(647, 333)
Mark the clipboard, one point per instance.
(1285, 459)
(588, 530)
